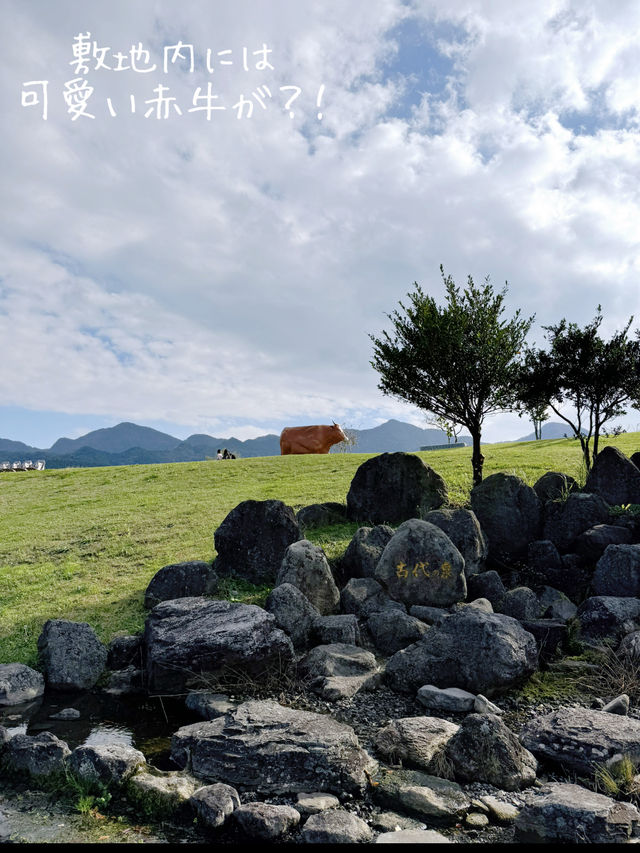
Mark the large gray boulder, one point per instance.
(608, 616)
(510, 514)
(293, 612)
(189, 640)
(485, 750)
(392, 630)
(305, 565)
(109, 763)
(421, 565)
(252, 540)
(477, 651)
(578, 738)
(181, 580)
(363, 552)
(419, 741)
(275, 750)
(463, 528)
(618, 571)
(554, 486)
(393, 487)
(19, 683)
(73, 658)
(614, 477)
(567, 813)
(38, 755)
(564, 522)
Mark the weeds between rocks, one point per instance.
(615, 673)
(619, 780)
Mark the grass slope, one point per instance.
(83, 543)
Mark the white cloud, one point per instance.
(216, 272)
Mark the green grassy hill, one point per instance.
(83, 543)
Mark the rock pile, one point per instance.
(440, 608)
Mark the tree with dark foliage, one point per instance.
(595, 377)
(459, 362)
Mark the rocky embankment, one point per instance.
(387, 697)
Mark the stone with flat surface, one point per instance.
(576, 738)
(190, 640)
(571, 813)
(273, 749)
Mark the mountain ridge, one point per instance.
(130, 444)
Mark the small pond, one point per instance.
(142, 722)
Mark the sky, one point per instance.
(220, 269)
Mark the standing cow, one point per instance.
(310, 439)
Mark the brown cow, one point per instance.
(310, 439)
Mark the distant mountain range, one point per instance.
(552, 429)
(130, 444)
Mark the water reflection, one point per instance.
(146, 723)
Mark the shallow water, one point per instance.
(145, 723)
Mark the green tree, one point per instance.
(580, 369)
(459, 362)
(536, 411)
(449, 428)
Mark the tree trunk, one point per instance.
(596, 436)
(477, 459)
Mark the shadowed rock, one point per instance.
(554, 486)
(73, 657)
(191, 639)
(618, 572)
(463, 528)
(614, 477)
(181, 580)
(564, 522)
(363, 552)
(252, 540)
(477, 651)
(608, 616)
(393, 487)
(510, 514)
